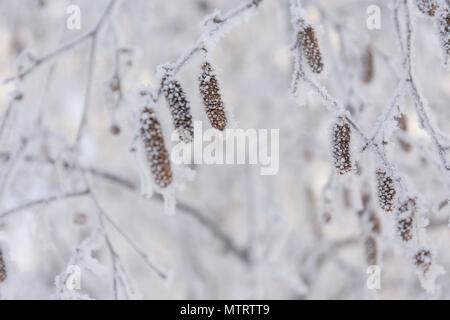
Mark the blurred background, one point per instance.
(236, 234)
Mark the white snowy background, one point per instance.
(236, 234)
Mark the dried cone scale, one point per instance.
(386, 190)
(212, 98)
(180, 107)
(340, 146)
(2, 268)
(156, 153)
(310, 47)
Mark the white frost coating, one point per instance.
(218, 25)
(147, 185)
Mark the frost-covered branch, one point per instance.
(43, 201)
(38, 61)
(215, 26)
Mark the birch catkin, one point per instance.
(212, 97)
(427, 6)
(443, 19)
(405, 220)
(385, 190)
(180, 107)
(340, 146)
(423, 260)
(2, 268)
(367, 65)
(155, 151)
(371, 250)
(310, 47)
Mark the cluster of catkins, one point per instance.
(309, 45)
(2, 268)
(180, 108)
(340, 145)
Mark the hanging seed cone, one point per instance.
(427, 6)
(155, 151)
(2, 268)
(444, 31)
(367, 65)
(423, 260)
(340, 146)
(386, 190)
(310, 46)
(370, 245)
(180, 107)
(375, 225)
(212, 98)
(405, 220)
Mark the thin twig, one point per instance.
(43, 201)
(65, 47)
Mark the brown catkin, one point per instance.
(370, 245)
(2, 268)
(155, 150)
(386, 190)
(212, 98)
(340, 146)
(180, 107)
(310, 46)
(374, 221)
(405, 220)
(402, 123)
(423, 260)
(368, 69)
(427, 6)
(444, 32)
